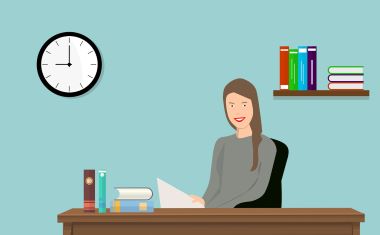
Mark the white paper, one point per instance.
(171, 197)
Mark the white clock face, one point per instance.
(69, 64)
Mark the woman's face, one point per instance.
(239, 110)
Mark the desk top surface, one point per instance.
(223, 215)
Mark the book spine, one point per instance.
(102, 192)
(284, 67)
(312, 68)
(89, 190)
(346, 69)
(346, 78)
(293, 69)
(302, 68)
(142, 193)
(115, 206)
(346, 85)
(132, 206)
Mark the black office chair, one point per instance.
(272, 197)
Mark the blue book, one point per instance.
(124, 205)
(302, 68)
(102, 191)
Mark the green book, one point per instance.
(293, 69)
(346, 70)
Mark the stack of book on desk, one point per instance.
(133, 200)
(346, 77)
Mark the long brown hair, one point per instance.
(247, 89)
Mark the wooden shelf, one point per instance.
(321, 93)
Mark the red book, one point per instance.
(284, 67)
(89, 190)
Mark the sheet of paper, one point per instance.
(171, 197)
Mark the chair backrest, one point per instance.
(272, 198)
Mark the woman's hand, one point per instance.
(197, 199)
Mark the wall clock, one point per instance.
(69, 64)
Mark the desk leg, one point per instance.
(355, 228)
(67, 229)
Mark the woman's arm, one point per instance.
(214, 183)
(267, 150)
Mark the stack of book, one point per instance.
(298, 68)
(346, 77)
(133, 200)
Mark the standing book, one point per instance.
(89, 190)
(284, 67)
(312, 68)
(293, 69)
(102, 192)
(302, 68)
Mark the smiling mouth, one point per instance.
(239, 119)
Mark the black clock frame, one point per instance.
(58, 92)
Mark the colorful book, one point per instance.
(284, 67)
(134, 193)
(102, 191)
(346, 69)
(293, 69)
(346, 85)
(119, 205)
(312, 68)
(89, 190)
(302, 68)
(346, 78)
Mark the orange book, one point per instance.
(284, 67)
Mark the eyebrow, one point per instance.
(245, 102)
(231, 102)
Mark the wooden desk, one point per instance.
(220, 221)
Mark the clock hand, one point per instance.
(69, 64)
(62, 64)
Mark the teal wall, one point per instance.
(157, 109)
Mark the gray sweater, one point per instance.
(231, 180)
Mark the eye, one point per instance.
(244, 105)
(232, 105)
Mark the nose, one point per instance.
(238, 112)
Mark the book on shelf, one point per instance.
(298, 72)
(298, 68)
(293, 69)
(346, 69)
(312, 68)
(302, 68)
(346, 78)
(346, 85)
(284, 67)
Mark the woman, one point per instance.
(242, 163)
